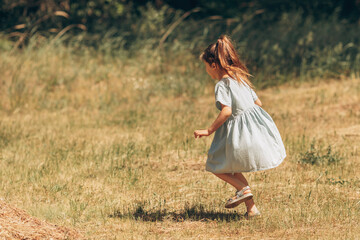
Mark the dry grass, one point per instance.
(17, 224)
(105, 155)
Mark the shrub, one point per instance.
(313, 156)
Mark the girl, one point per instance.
(246, 137)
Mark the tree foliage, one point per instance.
(100, 15)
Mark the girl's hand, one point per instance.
(200, 133)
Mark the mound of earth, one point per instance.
(17, 224)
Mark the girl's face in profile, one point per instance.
(211, 70)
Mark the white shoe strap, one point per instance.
(241, 192)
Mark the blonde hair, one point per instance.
(223, 54)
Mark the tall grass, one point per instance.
(33, 74)
(292, 48)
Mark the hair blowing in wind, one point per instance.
(224, 55)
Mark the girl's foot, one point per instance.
(252, 211)
(252, 214)
(240, 196)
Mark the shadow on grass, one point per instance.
(194, 213)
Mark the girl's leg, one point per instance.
(241, 177)
(250, 205)
(231, 179)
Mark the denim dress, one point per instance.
(248, 140)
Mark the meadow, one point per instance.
(105, 145)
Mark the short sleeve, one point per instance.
(253, 94)
(222, 95)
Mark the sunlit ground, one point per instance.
(115, 162)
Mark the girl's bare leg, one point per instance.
(234, 181)
(241, 177)
(231, 179)
(250, 205)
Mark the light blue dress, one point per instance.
(249, 140)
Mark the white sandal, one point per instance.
(240, 197)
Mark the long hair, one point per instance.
(223, 54)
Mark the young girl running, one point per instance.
(246, 137)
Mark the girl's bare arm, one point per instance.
(258, 102)
(222, 117)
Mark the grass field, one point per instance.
(107, 148)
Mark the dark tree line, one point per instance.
(98, 15)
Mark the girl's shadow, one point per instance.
(194, 213)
